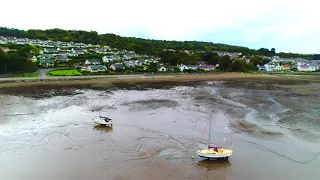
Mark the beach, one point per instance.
(269, 121)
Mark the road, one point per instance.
(43, 76)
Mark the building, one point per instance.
(97, 68)
(92, 62)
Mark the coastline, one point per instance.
(123, 79)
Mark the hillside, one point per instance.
(142, 46)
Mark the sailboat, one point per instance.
(101, 120)
(212, 152)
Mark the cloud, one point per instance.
(285, 25)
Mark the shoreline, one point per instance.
(123, 79)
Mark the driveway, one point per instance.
(44, 72)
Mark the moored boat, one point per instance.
(212, 152)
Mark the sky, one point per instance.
(285, 25)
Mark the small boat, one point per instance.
(103, 121)
(212, 152)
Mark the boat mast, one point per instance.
(99, 109)
(209, 131)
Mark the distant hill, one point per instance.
(139, 45)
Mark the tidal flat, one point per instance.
(273, 127)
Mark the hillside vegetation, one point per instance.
(139, 45)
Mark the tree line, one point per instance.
(139, 45)
(17, 61)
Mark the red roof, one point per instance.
(286, 66)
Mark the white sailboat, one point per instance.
(212, 152)
(101, 120)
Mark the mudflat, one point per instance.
(270, 122)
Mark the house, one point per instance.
(305, 68)
(147, 61)
(272, 67)
(315, 65)
(183, 67)
(162, 69)
(51, 50)
(207, 67)
(84, 68)
(117, 66)
(5, 49)
(96, 68)
(232, 55)
(219, 53)
(286, 67)
(79, 51)
(62, 57)
(34, 59)
(261, 68)
(46, 63)
(3, 41)
(201, 63)
(127, 56)
(140, 63)
(46, 56)
(107, 59)
(92, 62)
(129, 64)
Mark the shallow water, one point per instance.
(273, 133)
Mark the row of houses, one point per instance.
(272, 66)
(114, 67)
(45, 43)
(204, 67)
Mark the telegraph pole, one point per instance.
(6, 69)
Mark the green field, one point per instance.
(64, 72)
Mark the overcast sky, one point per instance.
(283, 24)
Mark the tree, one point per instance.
(153, 67)
(3, 61)
(250, 66)
(224, 63)
(273, 51)
(238, 65)
(211, 58)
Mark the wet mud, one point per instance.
(47, 132)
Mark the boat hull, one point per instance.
(205, 156)
(211, 154)
(103, 122)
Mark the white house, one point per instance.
(305, 68)
(207, 67)
(314, 65)
(162, 69)
(46, 63)
(92, 62)
(140, 63)
(107, 59)
(129, 64)
(127, 56)
(117, 66)
(183, 67)
(84, 68)
(97, 68)
(272, 67)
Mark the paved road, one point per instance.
(79, 77)
(43, 76)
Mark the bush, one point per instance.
(112, 73)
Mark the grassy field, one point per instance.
(64, 72)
